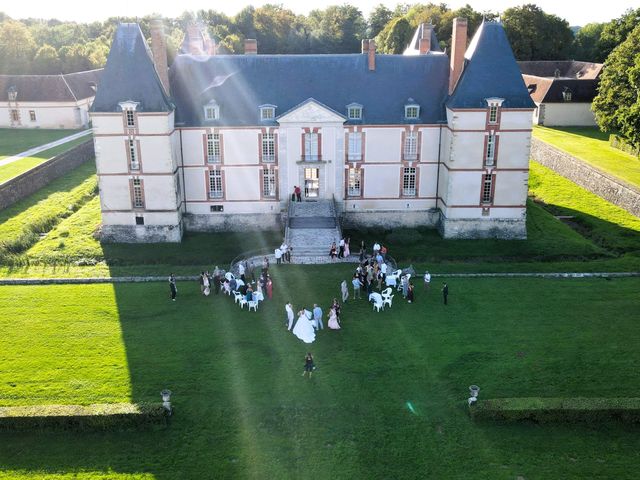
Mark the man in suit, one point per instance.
(317, 317)
(445, 292)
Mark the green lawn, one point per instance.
(13, 169)
(388, 399)
(16, 140)
(592, 146)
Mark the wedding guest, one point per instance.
(333, 323)
(308, 365)
(172, 287)
(269, 288)
(317, 317)
(344, 290)
(410, 293)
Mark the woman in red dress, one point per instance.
(269, 287)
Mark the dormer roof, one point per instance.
(130, 75)
(490, 70)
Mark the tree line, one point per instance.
(52, 46)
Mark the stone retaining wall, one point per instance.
(29, 182)
(602, 184)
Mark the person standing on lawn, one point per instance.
(427, 280)
(445, 292)
(289, 308)
(172, 287)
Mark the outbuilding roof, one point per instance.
(239, 84)
(69, 87)
(130, 75)
(490, 71)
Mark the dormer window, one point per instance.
(13, 94)
(494, 105)
(411, 110)
(566, 95)
(267, 112)
(212, 111)
(354, 111)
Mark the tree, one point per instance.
(616, 31)
(395, 37)
(587, 44)
(46, 60)
(16, 47)
(536, 35)
(279, 30)
(617, 105)
(379, 17)
(336, 29)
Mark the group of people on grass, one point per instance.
(310, 321)
(282, 254)
(343, 250)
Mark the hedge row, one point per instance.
(110, 416)
(557, 410)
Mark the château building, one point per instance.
(218, 142)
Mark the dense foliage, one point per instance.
(617, 105)
(51, 46)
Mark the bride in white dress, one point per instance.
(304, 328)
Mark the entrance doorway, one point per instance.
(311, 182)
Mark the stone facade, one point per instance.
(31, 181)
(141, 233)
(502, 228)
(392, 219)
(220, 222)
(600, 183)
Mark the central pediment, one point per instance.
(311, 111)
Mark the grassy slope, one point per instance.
(11, 170)
(243, 410)
(16, 140)
(603, 222)
(21, 223)
(592, 146)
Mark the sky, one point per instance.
(576, 13)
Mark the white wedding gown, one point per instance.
(304, 329)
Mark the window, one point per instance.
(566, 95)
(134, 163)
(138, 199)
(215, 184)
(15, 116)
(411, 110)
(211, 111)
(355, 146)
(491, 147)
(354, 181)
(268, 147)
(311, 147)
(269, 182)
(213, 148)
(267, 112)
(131, 119)
(13, 94)
(493, 114)
(409, 182)
(354, 111)
(216, 208)
(410, 151)
(487, 187)
(139, 220)
(32, 115)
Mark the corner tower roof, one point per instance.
(490, 70)
(130, 75)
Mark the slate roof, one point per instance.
(241, 83)
(550, 90)
(490, 71)
(414, 47)
(130, 75)
(51, 88)
(563, 68)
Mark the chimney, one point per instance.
(425, 38)
(458, 48)
(365, 46)
(159, 51)
(371, 53)
(250, 46)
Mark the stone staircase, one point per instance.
(312, 227)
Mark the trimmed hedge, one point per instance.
(557, 410)
(108, 416)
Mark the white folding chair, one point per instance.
(237, 296)
(253, 304)
(243, 302)
(378, 306)
(386, 292)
